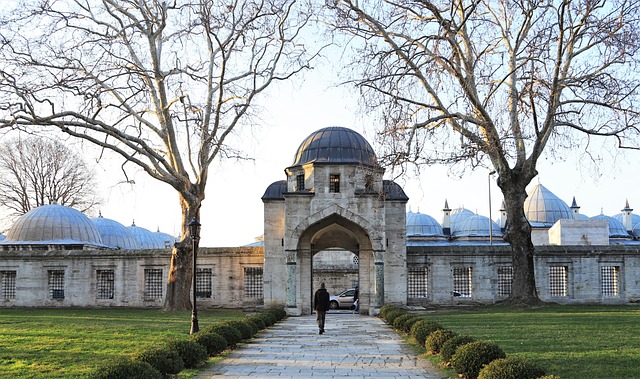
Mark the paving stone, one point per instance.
(353, 346)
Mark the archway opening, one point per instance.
(338, 252)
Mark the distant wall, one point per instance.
(234, 277)
(564, 274)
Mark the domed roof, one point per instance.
(419, 225)
(54, 224)
(275, 191)
(167, 239)
(616, 229)
(476, 226)
(114, 234)
(146, 239)
(634, 218)
(2, 236)
(458, 215)
(336, 145)
(393, 191)
(636, 230)
(545, 208)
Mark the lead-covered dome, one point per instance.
(54, 224)
(114, 234)
(145, 238)
(335, 145)
(422, 225)
(616, 229)
(476, 226)
(543, 208)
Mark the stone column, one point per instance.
(379, 285)
(291, 281)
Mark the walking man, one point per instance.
(321, 301)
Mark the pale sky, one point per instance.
(232, 213)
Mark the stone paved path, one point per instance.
(352, 346)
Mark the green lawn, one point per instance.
(569, 341)
(47, 343)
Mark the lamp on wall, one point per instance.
(194, 232)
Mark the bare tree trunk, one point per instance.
(180, 275)
(523, 288)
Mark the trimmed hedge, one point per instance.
(213, 342)
(393, 315)
(126, 369)
(511, 368)
(408, 324)
(279, 313)
(163, 359)
(434, 342)
(398, 323)
(258, 322)
(449, 348)
(469, 359)
(191, 352)
(385, 309)
(268, 318)
(246, 331)
(422, 329)
(230, 334)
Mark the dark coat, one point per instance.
(321, 300)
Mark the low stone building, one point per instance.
(334, 219)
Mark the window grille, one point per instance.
(152, 284)
(203, 283)
(417, 286)
(8, 285)
(56, 284)
(462, 281)
(300, 182)
(505, 278)
(253, 282)
(105, 283)
(609, 280)
(558, 280)
(334, 183)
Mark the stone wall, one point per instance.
(593, 274)
(581, 266)
(76, 277)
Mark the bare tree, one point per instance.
(496, 83)
(164, 84)
(37, 171)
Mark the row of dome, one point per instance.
(542, 208)
(59, 225)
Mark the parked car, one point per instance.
(342, 300)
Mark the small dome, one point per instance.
(146, 239)
(336, 145)
(476, 226)
(616, 229)
(636, 230)
(543, 207)
(167, 240)
(393, 191)
(458, 215)
(275, 191)
(2, 237)
(54, 224)
(114, 234)
(422, 225)
(634, 218)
